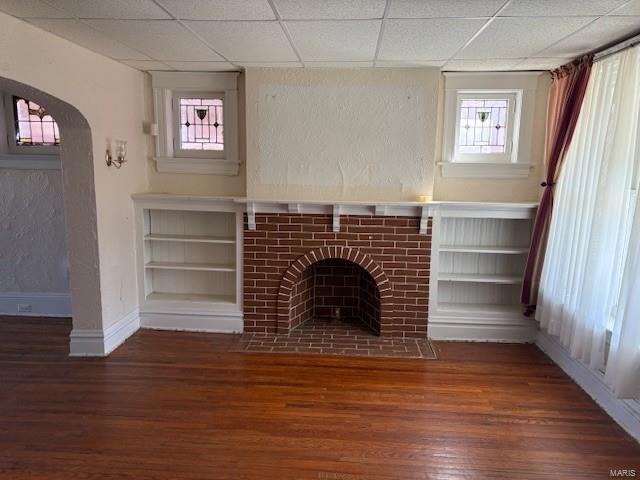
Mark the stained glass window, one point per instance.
(483, 125)
(34, 126)
(201, 124)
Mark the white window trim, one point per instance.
(167, 87)
(523, 85)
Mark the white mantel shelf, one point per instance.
(252, 206)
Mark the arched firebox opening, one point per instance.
(334, 283)
(336, 290)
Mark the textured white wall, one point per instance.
(111, 98)
(33, 250)
(356, 134)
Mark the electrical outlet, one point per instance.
(24, 307)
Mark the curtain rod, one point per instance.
(616, 48)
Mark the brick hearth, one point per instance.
(279, 252)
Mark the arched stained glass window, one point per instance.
(34, 126)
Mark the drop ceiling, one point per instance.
(220, 35)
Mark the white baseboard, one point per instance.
(625, 412)
(35, 304)
(442, 329)
(99, 343)
(231, 322)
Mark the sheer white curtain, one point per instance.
(591, 265)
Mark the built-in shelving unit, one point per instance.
(478, 256)
(190, 262)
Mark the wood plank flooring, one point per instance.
(179, 406)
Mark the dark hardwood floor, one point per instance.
(179, 406)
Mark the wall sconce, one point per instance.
(121, 153)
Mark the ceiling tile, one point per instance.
(159, 39)
(83, 35)
(631, 8)
(521, 37)
(487, 65)
(203, 66)
(410, 64)
(271, 64)
(428, 39)
(338, 64)
(546, 63)
(115, 9)
(346, 40)
(146, 65)
(330, 9)
(555, 8)
(438, 8)
(219, 9)
(31, 9)
(601, 32)
(246, 41)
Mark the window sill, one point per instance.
(199, 166)
(30, 162)
(485, 170)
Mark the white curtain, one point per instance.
(591, 268)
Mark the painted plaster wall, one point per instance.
(33, 249)
(363, 134)
(350, 134)
(111, 97)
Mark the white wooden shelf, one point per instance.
(481, 308)
(191, 297)
(489, 243)
(198, 267)
(166, 237)
(484, 249)
(479, 278)
(189, 257)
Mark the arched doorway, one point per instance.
(76, 157)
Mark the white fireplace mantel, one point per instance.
(337, 208)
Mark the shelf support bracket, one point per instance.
(251, 215)
(424, 220)
(336, 218)
(380, 210)
(294, 208)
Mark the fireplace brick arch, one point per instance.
(293, 274)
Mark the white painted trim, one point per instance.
(167, 86)
(30, 162)
(336, 218)
(485, 170)
(424, 220)
(231, 322)
(625, 412)
(99, 343)
(42, 304)
(473, 329)
(396, 209)
(201, 166)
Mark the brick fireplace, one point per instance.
(374, 268)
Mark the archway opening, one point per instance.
(79, 200)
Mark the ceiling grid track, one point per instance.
(285, 30)
(387, 6)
